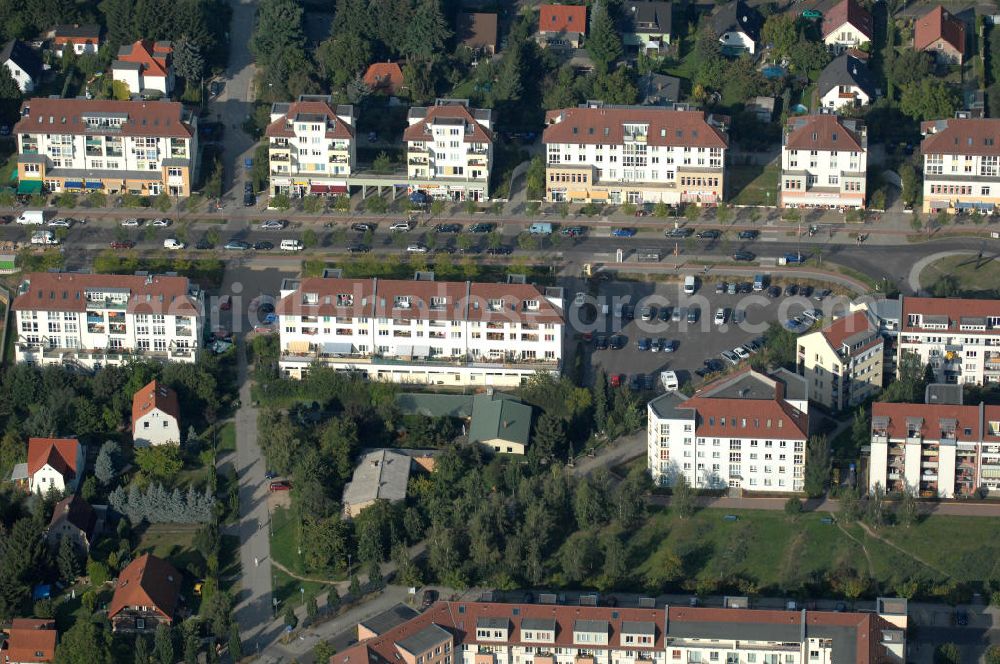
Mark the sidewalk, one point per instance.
(831, 505)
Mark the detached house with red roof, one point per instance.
(81, 39)
(562, 26)
(156, 416)
(842, 361)
(747, 431)
(328, 130)
(147, 593)
(941, 34)
(92, 320)
(847, 25)
(449, 150)
(605, 153)
(824, 162)
(385, 77)
(52, 463)
(30, 641)
(961, 164)
(145, 67)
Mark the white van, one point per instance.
(291, 245)
(32, 218)
(669, 381)
(43, 237)
(690, 285)
(540, 229)
(172, 243)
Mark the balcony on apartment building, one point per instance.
(338, 159)
(279, 156)
(98, 304)
(348, 355)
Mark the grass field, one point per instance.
(172, 541)
(227, 438)
(966, 274)
(284, 540)
(750, 184)
(287, 588)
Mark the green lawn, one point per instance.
(964, 274)
(748, 185)
(172, 541)
(227, 438)
(284, 540)
(287, 588)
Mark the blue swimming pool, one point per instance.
(800, 109)
(773, 71)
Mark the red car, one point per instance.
(281, 486)
(226, 302)
(122, 244)
(616, 380)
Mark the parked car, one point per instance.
(573, 231)
(720, 315)
(237, 245)
(822, 293)
(616, 380)
(730, 357)
(644, 344)
(601, 342)
(448, 228)
(628, 312)
(806, 291)
(749, 235)
(131, 222)
(281, 485)
(679, 233)
(173, 244)
(400, 227)
(664, 314)
(203, 244)
(710, 234)
(362, 228)
(263, 245)
(500, 251)
(122, 244)
(720, 287)
(669, 346)
(623, 232)
(744, 256)
(481, 228)
(774, 291)
(61, 222)
(273, 224)
(160, 223)
(358, 248)
(647, 313)
(226, 302)
(618, 341)
(791, 289)
(741, 353)
(417, 248)
(430, 596)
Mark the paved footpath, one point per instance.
(969, 508)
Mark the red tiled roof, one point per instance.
(60, 453)
(953, 308)
(606, 126)
(939, 24)
(385, 76)
(460, 620)
(514, 298)
(420, 130)
(61, 291)
(154, 396)
(31, 640)
(336, 128)
(147, 581)
(967, 417)
(42, 115)
(840, 330)
(154, 57)
(848, 11)
(821, 132)
(562, 18)
(966, 136)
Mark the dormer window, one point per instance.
(495, 304)
(438, 302)
(345, 299)
(531, 305)
(310, 298)
(401, 301)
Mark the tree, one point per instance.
(875, 509)
(343, 59)
(604, 43)
(141, 650)
(910, 66)
(617, 87)
(947, 653)
(793, 506)
(105, 469)
(279, 27)
(780, 344)
(600, 390)
(665, 567)
(682, 497)
(993, 655)
(312, 609)
(426, 31)
(192, 644)
(323, 651)
(291, 620)
(907, 511)
(549, 437)
(188, 61)
(818, 463)
(120, 91)
(850, 506)
(84, 643)
(860, 429)
(163, 645)
(809, 56)
(68, 560)
(579, 556)
(590, 504)
(910, 384)
(615, 562)
(928, 99)
(780, 30)
(161, 462)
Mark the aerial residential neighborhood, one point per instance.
(465, 332)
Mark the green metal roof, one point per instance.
(499, 416)
(436, 405)
(29, 187)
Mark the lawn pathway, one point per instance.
(864, 549)
(875, 535)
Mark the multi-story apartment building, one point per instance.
(842, 362)
(744, 431)
(961, 164)
(311, 146)
(137, 147)
(824, 160)
(92, 320)
(449, 150)
(495, 633)
(940, 448)
(634, 154)
(446, 333)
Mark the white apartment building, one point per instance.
(961, 164)
(824, 160)
(449, 150)
(959, 338)
(937, 449)
(634, 154)
(311, 146)
(496, 633)
(425, 332)
(842, 362)
(92, 320)
(744, 431)
(138, 147)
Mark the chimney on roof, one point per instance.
(505, 424)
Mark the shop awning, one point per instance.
(328, 189)
(298, 346)
(73, 184)
(338, 348)
(29, 187)
(95, 185)
(939, 205)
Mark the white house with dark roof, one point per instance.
(738, 26)
(846, 83)
(634, 154)
(961, 164)
(23, 63)
(648, 25)
(824, 162)
(449, 150)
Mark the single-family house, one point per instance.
(30, 641)
(146, 594)
(561, 26)
(942, 34)
(52, 463)
(75, 518)
(385, 78)
(659, 89)
(383, 474)
(156, 416)
(478, 32)
(738, 26)
(847, 25)
(648, 25)
(81, 39)
(762, 108)
(846, 82)
(23, 64)
(145, 66)
(501, 423)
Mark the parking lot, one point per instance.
(694, 342)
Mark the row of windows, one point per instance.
(699, 182)
(965, 190)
